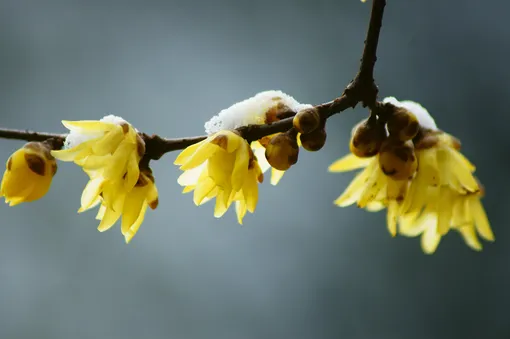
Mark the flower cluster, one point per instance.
(409, 167)
(415, 171)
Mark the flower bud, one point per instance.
(282, 151)
(313, 141)
(402, 124)
(28, 174)
(307, 120)
(397, 159)
(367, 137)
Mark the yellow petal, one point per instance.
(375, 183)
(88, 125)
(240, 211)
(202, 189)
(90, 193)
(463, 171)
(94, 162)
(430, 238)
(411, 225)
(260, 153)
(136, 225)
(428, 167)
(396, 189)
(234, 140)
(132, 172)
(220, 208)
(203, 152)
(375, 206)
(444, 210)
(114, 194)
(251, 193)
(480, 219)
(276, 176)
(152, 196)
(72, 153)
(391, 217)
(188, 189)
(355, 188)
(100, 213)
(190, 177)
(110, 217)
(109, 142)
(119, 159)
(417, 195)
(240, 166)
(461, 214)
(220, 167)
(132, 206)
(469, 235)
(188, 152)
(348, 163)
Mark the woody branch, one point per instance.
(361, 89)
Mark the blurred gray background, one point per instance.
(300, 267)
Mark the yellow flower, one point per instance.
(222, 167)
(116, 201)
(28, 174)
(111, 148)
(441, 194)
(109, 151)
(465, 214)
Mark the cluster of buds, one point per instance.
(389, 135)
(312, 129)
(308, 131)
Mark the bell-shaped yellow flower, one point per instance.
(112, 149)
(28, 174)
(109, 151)
(223, 167)
(428, 190)
(116, 201)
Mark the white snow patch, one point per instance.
(251, 111)
(423, 116)
(76, 137)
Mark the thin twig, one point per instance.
(361, 89)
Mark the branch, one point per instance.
(361, 89)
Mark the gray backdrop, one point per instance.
(300, 267)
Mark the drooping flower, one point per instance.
(223, 167)
(28, 174)
(435, 195)
(264, 108)
(109, 151)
